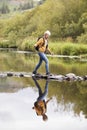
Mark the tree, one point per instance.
(83, 22)
(4, 9)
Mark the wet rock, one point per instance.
(3, 75)
(85, 77)
(21, 75)
(41, 76)
(57, 77)
(80, 78)
(70, 76)
(16, 74)
(9, 74)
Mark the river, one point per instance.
(67, 110)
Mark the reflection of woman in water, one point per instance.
(40, 105)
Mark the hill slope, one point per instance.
(14, 5)
(63, 18)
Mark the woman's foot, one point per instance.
(34, 72)
(48, 74)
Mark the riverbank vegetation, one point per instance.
(67, 21)
(59, 48)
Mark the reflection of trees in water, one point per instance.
(71, 93)
(63, 67)
(16, 62)
(26, 62)
(10, 85)
(14, 84)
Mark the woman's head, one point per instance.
(45, 117)
(47, 34)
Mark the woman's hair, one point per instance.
(45, 117)
(47, 32)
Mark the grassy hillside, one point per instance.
(67, 21)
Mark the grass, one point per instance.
(59, 48)
(65, 48)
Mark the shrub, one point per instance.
(4, 43)
(27, 44)
(82, 38)
(64, 48)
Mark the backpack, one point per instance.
(37, 47)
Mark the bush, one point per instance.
(27, 44)
(4, 43)
(12, 40)
(65, 48)
(74, 49)
(82, 38)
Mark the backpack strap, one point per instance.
(43, 40)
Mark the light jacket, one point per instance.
(40, 107)
(42, 45)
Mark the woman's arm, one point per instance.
(48, 100)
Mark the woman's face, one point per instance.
(46, 36)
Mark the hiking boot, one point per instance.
(34, 72)
(48, 74)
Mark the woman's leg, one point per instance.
(44, 94)
(38, 86)
(43, 56)
(38, 65)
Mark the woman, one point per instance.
(42, 45)
(40, 105)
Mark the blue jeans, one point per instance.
(42, 95)
(42, 57)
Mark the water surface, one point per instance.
(66, 110)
